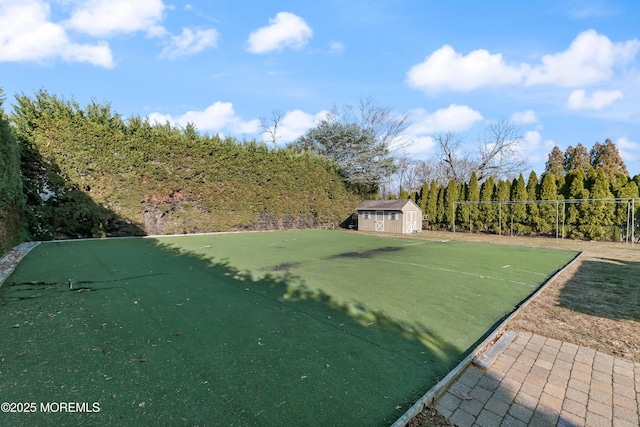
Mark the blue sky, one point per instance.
(565, 72)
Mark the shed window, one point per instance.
(366, 215)
(393, 216)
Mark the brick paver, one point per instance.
(538, 381)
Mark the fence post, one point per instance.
(557, 222)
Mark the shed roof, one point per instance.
(384, 205)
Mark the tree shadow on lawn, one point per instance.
(204, 342)
(605, 288)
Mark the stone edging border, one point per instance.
(14, 257)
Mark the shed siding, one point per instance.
(366, 224)
(405, 222)
(393, 225)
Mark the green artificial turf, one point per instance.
(298, 327)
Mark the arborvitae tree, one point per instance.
(577, 159)
(451, 196)
(415, 197)
(577, 212)
(462, 211)
(502, 194)
(533, 217)
(607, 157)
(601, 213)
(473, 195)
(432, 204)
(555, 163)
(547, 211)
(424, 196)
(519, 211)
(487, 211)
(441, 207)
(404, 194)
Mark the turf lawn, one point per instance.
(277, 328)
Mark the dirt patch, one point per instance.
(429, 417)
(366, 254)
(285, 266)
(583, 306)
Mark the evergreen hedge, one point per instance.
(594, 220)
(12, 200)
(90, 173)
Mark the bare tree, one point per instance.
(388, 127)
(271, 128)
(413, 173)
(455, 162)
(498, 154)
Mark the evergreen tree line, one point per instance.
(574, 175)
(88, 172)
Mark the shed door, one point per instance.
(412, 222)
(379, 221)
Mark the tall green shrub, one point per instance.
(519, 210)
(547, 211)
(487, 214)
(91, 173)
(12, 198)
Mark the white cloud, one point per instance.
(421, 146)
(578, 99)
(454, 118)
(584, 9)
(218, 117)
(26, 34)
(285, 30)
(336, 48)
(445, 69)
(160, 118)
(108, 17)
(591, 58)
(629, 150)
(294, 124)
(157, 31)
(190, 42)
(99, 54)
(534, 148)
(524, 117)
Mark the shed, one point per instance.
(389, 216)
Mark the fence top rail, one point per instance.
(538, 202)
